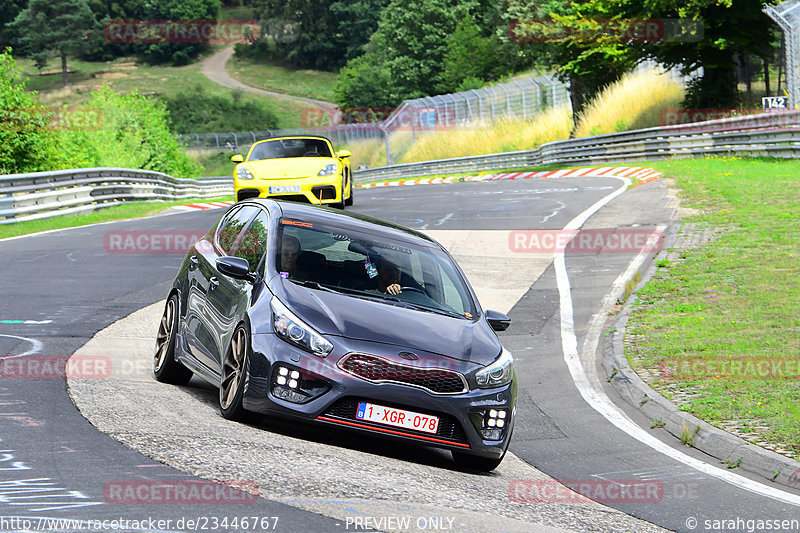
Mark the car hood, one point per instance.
(289, 167)
(339, 314)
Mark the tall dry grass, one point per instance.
(489, 138)
(370, 152)
(636, 101)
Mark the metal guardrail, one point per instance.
(41, 195)
(46, 194)
(765, 135)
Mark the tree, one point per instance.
(571, 38)
(320, 34)
(468, 54)
(60, 26)
(727, 31)
(365, 83)
(9, 9)
(179, 53)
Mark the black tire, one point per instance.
(234, 370)
(475, 462)
(165, 367)
(349, 200)
(340, 205)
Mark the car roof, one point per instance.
(347, 219)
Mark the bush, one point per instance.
(196, 111)
(26, 142)
(133, 132)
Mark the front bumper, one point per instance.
(333, 395)
(313, 190)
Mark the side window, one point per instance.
(231, 228)
(253, 243)
(455, 296)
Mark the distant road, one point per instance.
(214, 69)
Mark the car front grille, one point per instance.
(449, 428)
(377, 369)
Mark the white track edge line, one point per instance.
(597, 398)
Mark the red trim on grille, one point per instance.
(393, 432)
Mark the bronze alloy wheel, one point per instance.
(165, 368)
(233, 372)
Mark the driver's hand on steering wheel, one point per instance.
(393, 289)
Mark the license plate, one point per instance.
(283, 189)
(397, 417)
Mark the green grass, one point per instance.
(125, 74)
(214, 163)
(734, 299)
(272, 76)
(118, 212)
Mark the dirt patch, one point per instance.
(112, 75)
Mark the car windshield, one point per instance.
(280, 148)
(366, 265)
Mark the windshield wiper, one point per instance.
(314, 285)
(419, 307)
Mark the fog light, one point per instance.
(296, 386)
(491, 423)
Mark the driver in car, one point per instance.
(388, 277)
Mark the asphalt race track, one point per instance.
(60, 289)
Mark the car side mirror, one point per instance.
(237, 158)
(341, 154)
(497, 320)
(235, 267)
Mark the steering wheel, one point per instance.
(311, 154)
(413, 289)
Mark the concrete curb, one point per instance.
(727, 448)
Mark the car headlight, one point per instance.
(243, 173)
(498, 373)
(327, 170)
(294, 331)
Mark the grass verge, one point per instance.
(270, 76)
(717, 330)
(106, 214)
(125, 74)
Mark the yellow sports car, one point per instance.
(300, 168)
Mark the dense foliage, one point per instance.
(26, 144)
(131, 131)
(55, 27)
(110, 130)
(320, 34)
(196, 111)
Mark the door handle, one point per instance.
(193, 261)
(213, 283)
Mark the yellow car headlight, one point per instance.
(243, 173)
(327, 170)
